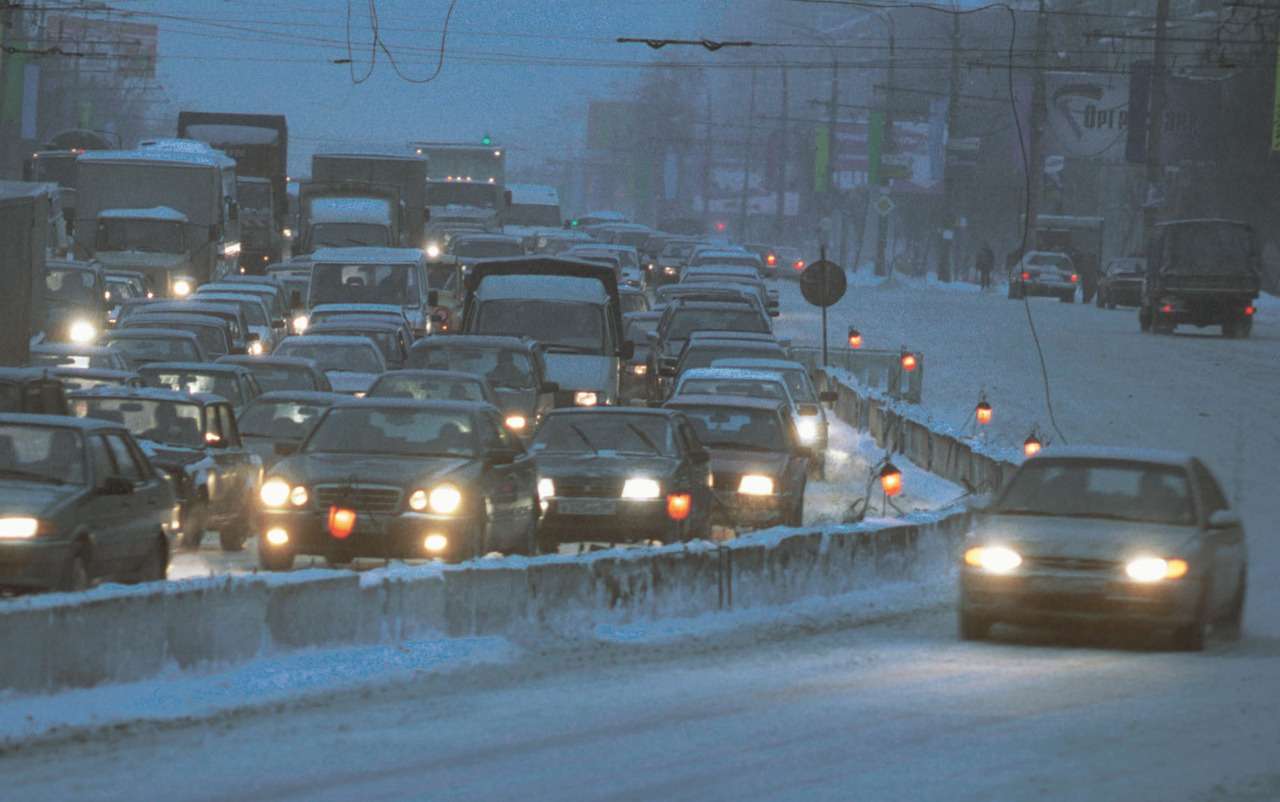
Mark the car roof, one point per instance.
(302, 396)
(356, 322)
(148, 394)
(70, 349)
(761, 364)
(1152, 456)
(653, 411)
(174, 317)
(545, 288)
(410, 403)
(195, 367)
(367, 255)
(680, 304)
(485, 236)
(457, 375)
(368, 309)
(65, 371)
(145, 333)
(325, 339)
(266, 360)
(58, 421)
(24, 374)
(731, 401)
(481, 340)
(740, 374)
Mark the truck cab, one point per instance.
(374, 276)
(154, 242)
(1201, 273)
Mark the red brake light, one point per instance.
(678, 506)
(1167, 309)
(1026, 276)
(342, 522)
(799, 265)
(1249, 310)
(771, 259)
(1075, 277)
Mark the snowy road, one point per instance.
(894, 711)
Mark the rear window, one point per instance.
(1209, 248)
(685, 322)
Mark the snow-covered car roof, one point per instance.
(727, 402)
(731, 374)
(332, 340)
(749, 363)
(1152, 456)
(364, 256)
(376, 211)
(148, 394)
(162, 213)
(549, 288)
(176, 157)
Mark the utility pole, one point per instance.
(784, 148)
(1155, 125)
(1038, 113)
(882, 220)
(946, 266)
(706, 160)
(745, 199)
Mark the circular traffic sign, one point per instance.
(823, 283)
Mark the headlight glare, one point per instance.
(445, 499)
(298, 496)
(82, 331)
(546, 488)
(994, 559)
(755, 485)
(516, 423)
(641, 488)
(1155, 569)
(807, 428)
(418, 501)
(182, 287)
(256, 348)
(18, 528)
(274, 492)
(433, 250)
(585, 399)
(300, 323)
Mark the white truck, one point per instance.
(534, 211)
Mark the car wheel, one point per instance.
(1099, 302)
(194, 521)
(270, 559)
(232, 536)
(156, 566)
(75, 574)
(973, 627)
(1232, 624)
(1191, 637)
(1144, 319)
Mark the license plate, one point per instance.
(1073, 585)
(587, 506)
(367, 524)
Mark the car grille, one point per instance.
(726, 482)
(362, 498)
(588, 487)
(1070, 564)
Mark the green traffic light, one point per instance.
(486, 141)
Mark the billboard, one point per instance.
(1192, 122)
(127, 47)
(1087, 115)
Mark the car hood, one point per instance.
(734, 460)
(370, 469)
(604, 464)
(582, 371)
(347, 382)
(32, 498)
(1082, 538)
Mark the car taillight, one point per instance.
(1075, 277)
(678, 506)
(1026, 276)
(1167, 309)
(799, 264)
(1249, 310)
(771, 260)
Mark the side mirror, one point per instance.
(627, 351)
(828, 396)
(115, 486)
(285, 449)
(549, 387)
(501, 456)
(433, 297)
(1224, 519)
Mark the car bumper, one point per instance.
(1049, 288)
(32, 565)
(1047, 599)
(573, 520)
(398, 536)
(757, 512)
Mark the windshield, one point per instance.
(678, 250)
(145, 236)
(279, 420)
(624, 434)
(71, 286)
(195, 382)
(212, 340)
(727, 259)
(364, 284)
(168, 422)
(255, 314)
(533, 214)
(72, 360)
(428, 388)
(1058, 260)
(1209, 248)
(487, 249)
(442, 277)
(685, 322)
(750, 388)
(336, 357)
(398, 432)
(155, 349)
(755, 429)
(503, 367)
(349, 235)
(1100, 489)
(41, 454)
(566, 324)
(283, 377)
(450, 193)
(385, 340)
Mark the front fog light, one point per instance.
(755, 485)
(1154, 569)
(641, 489)
(585, 399)
(418, 501)
(445, 499)
(435, 543)
(277, 537)
(82, 331)
(807, 428)
(995, 559)
(298, 496)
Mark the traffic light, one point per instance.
(486, 140)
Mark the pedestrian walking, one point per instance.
(985, 262)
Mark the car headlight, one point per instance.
(418, 501)
(753, 484)
(82, 331)
(516, 423)
(670, 271)
(298, 496)
(641, 489)
(256, 348)
(546, 488)
(586, 399)
(433, 250)
(445, 499)
(995, 559)
(182, 287)
(300, 324)
(18, 528)
(1155, 569)
(275, 492)
(807, 428)
(640, 369)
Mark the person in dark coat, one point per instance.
(985, 262)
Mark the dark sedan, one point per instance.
(275, 373)
(233, 382)
(144, 346)
(621, 475)
(79, 502)
(758, 464)
(400, 479)
(1121, 282)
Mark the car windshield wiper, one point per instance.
(582, 435)
(17, 473)
(644, 438)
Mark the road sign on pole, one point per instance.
(885, 205)
(823, 284)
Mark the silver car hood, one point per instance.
(1082, 538)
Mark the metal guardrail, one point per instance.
(874, 369)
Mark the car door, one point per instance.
(501, 482)
(152, 501)
(1226, 545)
(107, 517)
(130, 533)
(233, 460)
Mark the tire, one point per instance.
(193, 525)
(1068, 299)
(1229, 329)
(1144, 319)
(232, 536)
(270, 559)
(1099, 302)
(1232, 623)
(75, 573)
(972, 627)
(156, 566)
(1191, 637)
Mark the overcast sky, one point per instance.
(245, 55)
